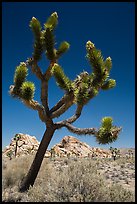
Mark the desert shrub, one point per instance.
(15, 171)
(4, 163)
(79, 181)
(11, 194)
(125, 160)
(119, 194)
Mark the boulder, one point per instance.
(68, 147)
(25, 145)
(71, 146)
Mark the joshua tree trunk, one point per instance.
(34, 169)
(16, 148)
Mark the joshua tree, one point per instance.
(9, 154)
(78, 91)
(130, 153)
(16, 138)
(115, 152)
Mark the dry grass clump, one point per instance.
(124, 160)
(14, 170)
(67, 180)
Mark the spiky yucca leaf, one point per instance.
(107, 132)
(107, 122)
(93, 92)
(17, 137)
(100, 68)
(111, 83)
(62, 80)
(38, 45)
(35, 26)
(27, 90)
(108, 63)
(95, 58)
(82, 95)
(52, 21)
(105, 137)
(20, 75)
(48, 43)
(64, 46)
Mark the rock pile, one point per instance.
(71, 146)
(26, 145)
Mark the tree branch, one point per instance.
(44, 95)
(76, 115)
(61, 102)
(36, 106)
(79, 131)
(62, 109)
(35, 68)
(44, 89)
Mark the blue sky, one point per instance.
(110, 26)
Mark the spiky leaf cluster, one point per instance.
(27, 90)
(108, 63)
(111, 83)
(52, 21)
(83, 89)
(17, 137)
(44, 39)
(20, 75)
(100, 67)
(82, 94)
(38, 44)
(107, 133)
(48, 36)
(22, 88)
(95, 58)
(107, 122)
(49, 43)
(62, 80)
(64, 46)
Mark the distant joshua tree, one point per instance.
(130, 153)
(16, 139)
(78, 91)
(115, 153)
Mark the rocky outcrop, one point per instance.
(71, 146)
(25, 145)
